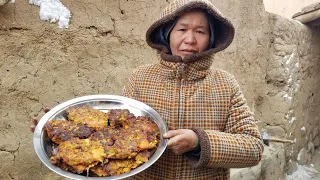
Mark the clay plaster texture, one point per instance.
(286, 8)
(2, 2)
(293, 74)
(275, 60)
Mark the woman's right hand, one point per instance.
(34, 120)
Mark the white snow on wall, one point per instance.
(53, 11)
(304, 173)
(292, 120)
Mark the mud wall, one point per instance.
(286, 8)
(42, 65)
(2, 2)
(292, 102)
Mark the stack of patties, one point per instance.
(108, 144)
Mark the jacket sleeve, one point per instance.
(239, 145)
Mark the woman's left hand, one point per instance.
(181, 140)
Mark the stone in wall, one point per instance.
(303, 157)
(273, 162)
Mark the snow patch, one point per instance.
(53, 11)
(287, 98)
(304, 173)
(292, 120)
(289, 58)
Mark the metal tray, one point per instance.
(43, 145)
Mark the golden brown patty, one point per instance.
(79, 154)
(104, 136)
(120, 143)
(119, 117)
(60, 130)
(146, 125)
(116, 167)
(89, 116)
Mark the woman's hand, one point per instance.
(34, 120)
(181, 140)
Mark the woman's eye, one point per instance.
(201, 32)
(181, 29)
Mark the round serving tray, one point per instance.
(43, 145)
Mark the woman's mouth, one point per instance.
(189, 51)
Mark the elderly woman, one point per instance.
(212, 128)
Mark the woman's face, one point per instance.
(190, 35)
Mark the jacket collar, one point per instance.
(185, 70)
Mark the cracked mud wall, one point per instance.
(277, 62)
(42, 65)
(293, 82)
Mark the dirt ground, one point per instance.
(43, 65)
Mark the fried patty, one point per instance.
(116, 166)
(89, 116)
(120, 117)
(105, 136)
(78, 155)
(145, 124)
(120, 143)
(61, 130)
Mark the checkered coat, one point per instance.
(188, 94)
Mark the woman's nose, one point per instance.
(190, 38)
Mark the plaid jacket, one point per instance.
(209, 102)
(190, 95)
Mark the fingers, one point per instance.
(170, 134)
(181, 140)
(173, 138)
(46, 109)
(33, 124)
(34, 120)
(173, 142)
(174, 146)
